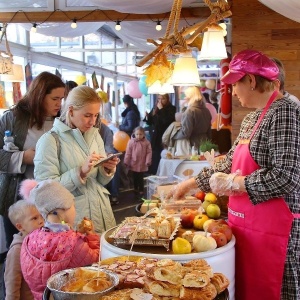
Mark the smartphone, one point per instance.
(107, 159)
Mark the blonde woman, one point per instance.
(196, 119)
(69, 153)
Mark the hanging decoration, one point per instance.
(179, 41)
(120, 140)
(133, 89)
(143, 86)
(6, 58)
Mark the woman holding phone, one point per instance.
(69, 152)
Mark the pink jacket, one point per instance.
(45, 253)
(138, 155)
(16, 287)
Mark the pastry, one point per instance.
(96, 285)
(118, 295)
(164, 229)
(220, 281)
(162, 288)
(199, 265)
(171, 273)
(208, 292)
(196, 279)
(85, 225)
(188, 235)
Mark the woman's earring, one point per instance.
(252, 89)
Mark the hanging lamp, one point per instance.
(185, 71)
(158, 88)
(213, 45)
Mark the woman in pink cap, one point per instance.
(261, 173)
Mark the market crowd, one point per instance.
(57, 195)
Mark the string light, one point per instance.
(118, 25)
(158, 26)
(33, 28)
(74, 24)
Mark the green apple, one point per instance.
(205, 204)
(213, 211)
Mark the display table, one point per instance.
(180, 167)
(222, 259)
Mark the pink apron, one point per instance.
(261, 231)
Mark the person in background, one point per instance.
(56, 246)
(130, 116)
(31, 117)
(261, 173)
(159, 119)
(196, 119)
(113, 186)
(70, 85)
(26, 218)
(281, 79)
(69, 152)
(138, 158)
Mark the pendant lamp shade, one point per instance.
(158, 88)
(17, 76)
(213, 45)
(185, 72)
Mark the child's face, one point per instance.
(69, 215)
(139, 135)
(32, 221)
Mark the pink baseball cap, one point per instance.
(250, 62)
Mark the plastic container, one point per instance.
(158, 186)
(176, 207)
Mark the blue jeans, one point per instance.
(114, 184)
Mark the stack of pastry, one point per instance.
(194, 280)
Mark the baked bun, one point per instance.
(118, 295)
(85, 225)
(162, 288)
(171, 274)
(195, 279)
(198, 265)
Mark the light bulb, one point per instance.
(74, 24)
(118, 26)
(158, 26)
(33, 28)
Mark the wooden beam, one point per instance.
(96, 16)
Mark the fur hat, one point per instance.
(47, 195)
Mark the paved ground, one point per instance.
(126, 207)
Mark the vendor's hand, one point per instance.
(226, 184)
(89, 163)
(28, 156)
(182, 188)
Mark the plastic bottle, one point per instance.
(8, 137)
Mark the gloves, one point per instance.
(223, 184)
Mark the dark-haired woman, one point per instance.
(31, 117)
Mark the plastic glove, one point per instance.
(223, 184)
(210, 157)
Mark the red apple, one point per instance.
(222, 221)
(213, 223)
(200, 195)
(223, 228)
(187, 217)
(220, 238)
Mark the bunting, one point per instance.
(95, 81)
(28, 75)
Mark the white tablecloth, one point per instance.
(180, 167)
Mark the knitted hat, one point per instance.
(47, 195)
(250, 62)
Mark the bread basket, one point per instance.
(56, 281)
